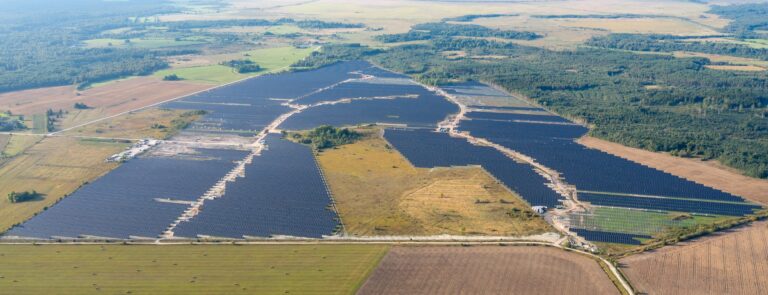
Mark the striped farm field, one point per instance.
(728, 262)
(186, 269)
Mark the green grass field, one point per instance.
(40, 123)
(284, 29)
(638, 221)
(140, 43)
(186, 269)
(271, 60)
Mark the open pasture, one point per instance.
(487, 270)
(186, 269)
(149, 123)
(209, 71)
(378, 192)
(17, 143)
(108, 100)
(728, 262)
(54, 167)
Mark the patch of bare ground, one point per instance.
(152, 122)
(745, 68)
(487, 270)
(378, 192)
(110, 99)
(709, 173)
(727, 262)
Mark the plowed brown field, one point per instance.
(110, 99)
(487, 270)
(730, 262)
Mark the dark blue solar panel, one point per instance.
(691, 206)
(358, 90)
(609, 237)
(588, 169)
(283, 193)
(516, 117)
(425, 111)
(121, 203)
(431, 149)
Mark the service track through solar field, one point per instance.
(601, 179)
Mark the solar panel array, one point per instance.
(251, 104)
(283, 193)
(360, 90)
(609, 237)
(428, 149)
(617, 181)
(667, 204)
(122, 203)
(546, 117)
(425, 111)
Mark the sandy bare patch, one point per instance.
(708, 173)
(745, 68)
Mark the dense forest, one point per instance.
(430, 31)
(655, 102)
(669, 43)
(44, 49)
(47, 48)
(746, 19)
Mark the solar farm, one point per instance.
(596, 178)
(231, 175)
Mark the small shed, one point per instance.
(539, 209)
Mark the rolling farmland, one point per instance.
(186, 269)
(730, 262)
(486, 270)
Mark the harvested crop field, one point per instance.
(186, 269)
(378, 192)
(487, 270)
(114, 98)
(153, 122)
(728, 262)
(53, 167)
(706, 173)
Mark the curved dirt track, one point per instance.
(487, 270)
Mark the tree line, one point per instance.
(430, 31)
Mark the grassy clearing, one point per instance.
(54, 167)
(378, 192)
(187, 269)
(39, 123)
(153, 123)
(271, 60)
(18, 143)
(140, 43)
(641, 222)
